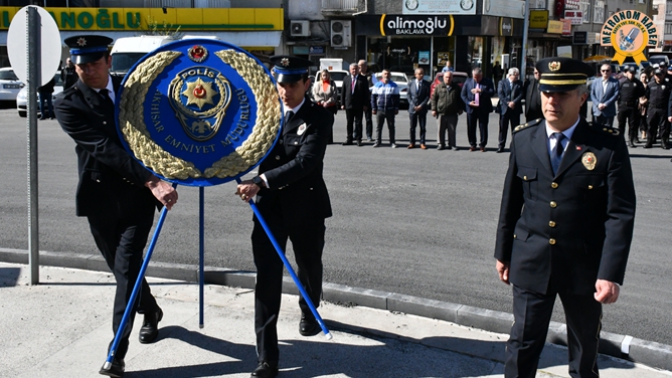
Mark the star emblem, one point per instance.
(81, 41)
(284, 62)
(199, 93)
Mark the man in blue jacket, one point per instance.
(603, 94)
(385, 105)
(477, 94)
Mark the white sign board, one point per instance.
(50, 45)
(504, 8)
(575, 16)
(443, 7)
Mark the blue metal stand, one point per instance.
(136, 289)
(281, 253)
(201, 254)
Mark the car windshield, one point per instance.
(8, 75)
(337, 76)
(122, 62)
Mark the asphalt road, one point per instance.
(409, 221)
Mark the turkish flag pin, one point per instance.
(578, 148)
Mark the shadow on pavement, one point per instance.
(9, 276)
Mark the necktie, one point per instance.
(288, 116)
(477, 96)
(354, 80)
(556, 153)
(106, 97)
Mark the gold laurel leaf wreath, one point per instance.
(249, 153)
(267, 118)
(133, 127)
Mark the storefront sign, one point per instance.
(136, 19)
(566, 27)
(416, 25)
(438, 7)
(580, 38)
(506, 26)
(316, 50)
(575, 16)
(554, 27)
(629, 32)
(504, 8)
(539, 19)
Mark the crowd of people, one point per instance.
(642, 103)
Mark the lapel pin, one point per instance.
(301, 130)
(578, 148)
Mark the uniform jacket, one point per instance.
(608, 97)
(629, 93)
(658, 95)
(447, 101)
(294, 168)
(360, 98)
(110, 179)
(508, 92)
(532, 99)
(418, 95)
(576, 226)
(485, 99)
(385, 97)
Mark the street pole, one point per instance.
(33, 51)
(526, 26)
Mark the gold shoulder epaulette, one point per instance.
(610, 131)
(526, 125)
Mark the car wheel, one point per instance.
(22, 114)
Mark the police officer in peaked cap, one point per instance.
(117, 195)
(565, 224)
(293, 199)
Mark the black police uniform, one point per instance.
(658, 110)
(560, 232)
(629, 94)
(294, 205)
(111, 191)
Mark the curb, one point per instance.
(625, 347)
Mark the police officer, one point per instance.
(116, 194)
(565, 224)
(631, 89)
(293, 199)
(658, 94)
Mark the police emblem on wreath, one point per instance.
(199, 112)
(200, 96)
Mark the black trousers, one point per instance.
(381, 116)
(480, 117)
(532, 315)
(658, 126)
(631, 116)
(509, 118)
(308, 243)
(121, 239)
(353, 116)
(369, 122)
(418, 118)
(603, 121)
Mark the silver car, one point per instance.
(22, 98)
(9, 84)
(401, 80)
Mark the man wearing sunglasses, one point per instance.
(604, 93)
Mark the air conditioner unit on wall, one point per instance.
(341, 33)
(299, 28)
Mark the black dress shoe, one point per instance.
(359, 143)
(150, 327)
(347, 143)
(500, 150)
(631, 145)
(115, 370)
(265, 370)
(309, 326)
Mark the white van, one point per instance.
(127, 51)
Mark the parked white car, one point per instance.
(22, 98)
(10, 85)
(401, 80)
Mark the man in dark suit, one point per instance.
(565, 224)
(477, 93)
(293, 199)
(418, 104)
(604, 94)
(532, 98)
(116, 194)
(510, 105)
(354, 98)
